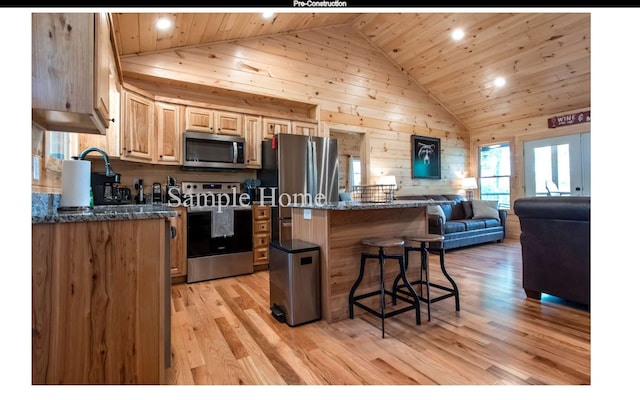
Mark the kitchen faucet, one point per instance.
(107, 167)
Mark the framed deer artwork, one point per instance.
(425, 157)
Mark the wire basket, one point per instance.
(374, 193)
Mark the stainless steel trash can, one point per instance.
(294, 281)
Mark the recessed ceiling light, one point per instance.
(457, 34)
(499, 82)
(163, 23)
(267, 14)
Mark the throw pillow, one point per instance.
(485, 209)
(344, 196)
(467, 209)
(436, 210)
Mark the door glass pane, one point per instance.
(564, 169)
(552, 169)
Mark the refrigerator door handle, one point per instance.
(312, 163)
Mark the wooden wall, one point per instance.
(516, 133)
(356, 89)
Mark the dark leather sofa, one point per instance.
(556, 251)
(459, 228)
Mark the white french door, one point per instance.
(559, 166)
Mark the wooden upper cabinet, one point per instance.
(228, 123)
(137, 127)
(213, 121)
(272, 126)
(109, 143)
(304, 128)
(199, 119)
(253, 141)
(70, 71)
(168, 132)
(102, 67)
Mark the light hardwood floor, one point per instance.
(223, 334)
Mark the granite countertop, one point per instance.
(44, 210)
(357, 205)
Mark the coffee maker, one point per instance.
(105, 189)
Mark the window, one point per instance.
(495, 174)
(59, 145)
(355, 172)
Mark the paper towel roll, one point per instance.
(76, 183)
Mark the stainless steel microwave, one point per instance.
(206, 150)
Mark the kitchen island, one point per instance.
(100, 294)
(338, 228)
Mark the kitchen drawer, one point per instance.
(261, 256)
(261, 213)
(261, 240)
(261, 226)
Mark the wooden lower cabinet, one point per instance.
(99, 302)
(261, 236)
(179, 245)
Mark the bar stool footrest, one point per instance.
(378, 314)
(451, 291)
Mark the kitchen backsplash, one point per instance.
(41, 202)
(158, 173)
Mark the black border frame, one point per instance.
(436, 155)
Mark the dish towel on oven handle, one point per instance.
(222, 222)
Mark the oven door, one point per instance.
(218, 257)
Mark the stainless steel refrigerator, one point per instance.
(297, 165)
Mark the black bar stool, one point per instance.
(425, 241)
(381, 256)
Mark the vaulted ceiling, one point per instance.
(545, 57)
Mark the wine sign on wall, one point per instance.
(569, 119)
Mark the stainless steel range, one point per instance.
(219, 230)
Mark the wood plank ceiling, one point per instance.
(545, 58)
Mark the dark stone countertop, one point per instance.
(357, 205)
(44, 210)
